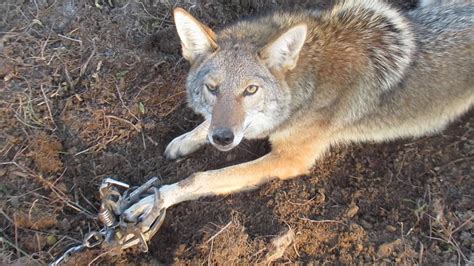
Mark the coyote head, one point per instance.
(238, 83)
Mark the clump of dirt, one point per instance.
(227, 244)
(385, 250)
(45, 151)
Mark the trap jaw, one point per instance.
(122, 231)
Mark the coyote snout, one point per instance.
(228, 116)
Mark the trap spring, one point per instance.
(122, 231)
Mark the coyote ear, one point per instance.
(282, 53)
(196, 38)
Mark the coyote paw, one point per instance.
(182, 146)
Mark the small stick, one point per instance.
(462, 225)
(71, 39)
(322, 221)
(49, 108)
(6, 241)
(420, 257)
(124, 120)
(218, 233)
(84, 67)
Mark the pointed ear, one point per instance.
(282, 53)
(196, 38)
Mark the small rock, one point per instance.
(14, 202)
(357, 194)
(387, 249)
(355, 227)
(352, 211)
(466, 235)
(65, 224)
(366, 224)
(390, 228)
(51, 240)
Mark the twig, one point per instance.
(123, 120)
(152, 140)
(68, 78)
(86, 150)
(15, 224)
(6, 241)
(101, 255)
(143, 88)
(458, 250)
(462, 225)
(71, 39)
(43, 47)
(322, 221)
(220, 232)
(146, 11)
(63, 197)
(171, 97)
(49, 108)
(51, 186)
(143, 141)
(457, 161)
(302, 204)
(420, 256)
(87, 201)
(56, 244)
(84, 66)
(171, 110)
(209, 257)
(123, 103)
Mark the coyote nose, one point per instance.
(223, 136)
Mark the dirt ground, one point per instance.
(88, 92)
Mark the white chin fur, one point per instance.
(224, 148)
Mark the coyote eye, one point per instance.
(251, 90)
(211, 89)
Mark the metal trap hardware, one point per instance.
(127, 222)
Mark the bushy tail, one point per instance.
(385, 42)
(386, 35)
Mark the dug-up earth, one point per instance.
(89, 91)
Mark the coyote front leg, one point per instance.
(188, 142)
(287, 162)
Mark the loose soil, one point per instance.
(90, 91)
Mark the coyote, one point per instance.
(307, 80)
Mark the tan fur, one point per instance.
(365, 72)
